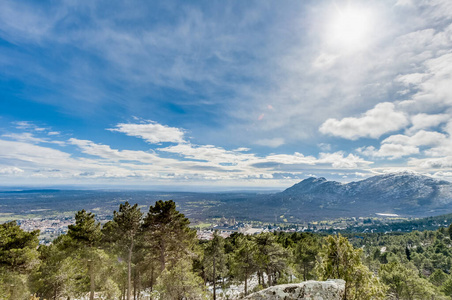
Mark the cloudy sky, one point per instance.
(223, 93)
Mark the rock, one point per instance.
(332, 289)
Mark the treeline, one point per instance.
(157, 255)
(429, 223)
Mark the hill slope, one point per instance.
(312, 199)
(405, 194)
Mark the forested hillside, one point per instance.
(154, 254)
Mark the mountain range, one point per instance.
(313, 199)
(404, 194)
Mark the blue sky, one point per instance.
(223, 93)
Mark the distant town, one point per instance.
(51, 227)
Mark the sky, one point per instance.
(216, 94)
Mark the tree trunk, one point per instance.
(138, 286)
(269, 278)
(204, 276)
(91, 278)
(246, 283)
(129, 271)
(162, 256)
(135, 287)
(305, 275)
(214, 281)
(152, 279)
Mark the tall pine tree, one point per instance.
(122, 232)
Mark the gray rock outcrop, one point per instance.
(309, 290)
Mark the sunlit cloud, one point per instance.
(10, 170)
(151, 132)
(374, 123)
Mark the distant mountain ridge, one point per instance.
(400, 193)
(313, 199)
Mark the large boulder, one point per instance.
(332, 289)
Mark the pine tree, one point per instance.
(60, 274)
(18, 257)
(166, 231)
(179, 282)
(404, 283)
(271, 257)
(17, 248)
(122, 232)
(86, 234)
(215, 260)
(304, 255)
(243, 259)
(339, 260)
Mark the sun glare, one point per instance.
(350, 28)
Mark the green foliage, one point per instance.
(447, 287)
(13, 286)
(166, 232)
(122, 234)
(214, 261)
(85, 232)
(243, 262)
(17, 248)
(125, 226)
(438, 277)
(305, 256)
(160, 254)
(405, 284)
(180, 282)
(18, 258)
(57, 274)
(339, 260)
(270, 257)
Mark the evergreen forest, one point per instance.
(156, 255)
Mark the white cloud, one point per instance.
(30, 138)
(106, 152)
(242, 149)
(11, 170)
(421, 138)
(152, 132)
(32, 154)
(290, 159)
(432, 163)
(433, 89)
(409, 79)
(209, 153)
(392, 151)
(274, 143)
(196, 163)
(324, 147)
(325, 60)
(27, 125)
(340, 161)
(383, 118)
(424, 121)
(443, 149)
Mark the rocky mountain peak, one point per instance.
(402, 193)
